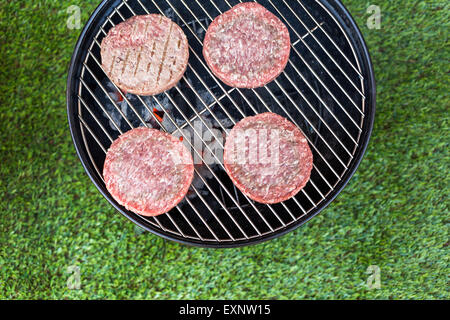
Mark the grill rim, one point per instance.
(340, 12)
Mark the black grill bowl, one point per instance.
(327, 90)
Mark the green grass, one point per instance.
(394, 213)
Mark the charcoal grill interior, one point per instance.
(327, 90)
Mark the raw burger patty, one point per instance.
(148, 171)
(145, 55)
(282, 173)
(247, 46)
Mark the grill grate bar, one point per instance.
(325, 105)
(320, 117)
(176, 225)
(310, 32)
(84, 125)
(95, 118)
(184, 125)
(94, 136)
(191, 225)
(101, 106)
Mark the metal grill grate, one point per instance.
(322, 91)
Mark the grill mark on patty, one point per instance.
(164, 53)
(140, 51)
(125, 62)
(112, 64)
(151, 56)
(138, 61)
(147, 57)
(133, 32)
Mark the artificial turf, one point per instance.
(394, 213)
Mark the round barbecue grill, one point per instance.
(327, 90)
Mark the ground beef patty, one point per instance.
(148, 171)
(247, 46)
(145, 55)
(268, 158)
